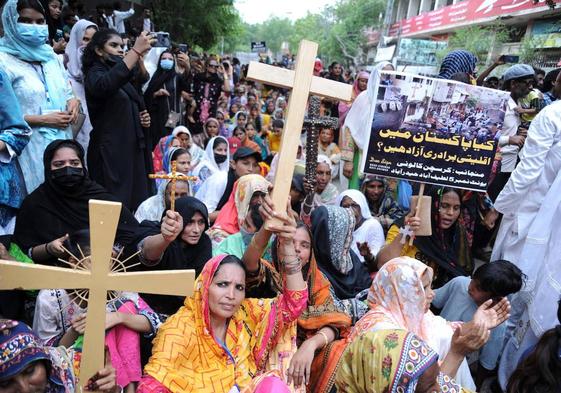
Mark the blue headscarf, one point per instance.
(11, 42)
(457, 61)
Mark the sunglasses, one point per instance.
(213, 65)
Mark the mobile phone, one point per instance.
(183, 48)
(162, 39)
(510, 58)
(59, 35)
(226, 65)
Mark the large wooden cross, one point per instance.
(104, 217)
(303, 83)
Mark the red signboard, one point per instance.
(462, 12)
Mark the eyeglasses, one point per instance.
(213, 65)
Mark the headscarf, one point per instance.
(178, 255)
(449, 249)
(187, 357)
(64, 211)
(360, 75)
(359, 198)
(323, 159)
(208, 160)
(234, 212)
(209, 120)
(74, 48)
(11, 42)
(397, 301)
(359, 118)
(234, 123)
(19, 347)
(160, 152)
(457, 61)
(397, 298)
(153, 208)
(159, 78)
(387, 361)
(196, 152)
(332, 235)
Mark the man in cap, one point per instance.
(518, 79)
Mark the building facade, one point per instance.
(435, 20)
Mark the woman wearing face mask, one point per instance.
(62, 202)
(39, 82)
(163, 94)
(80, 35)
(215, 159)
(119, 161)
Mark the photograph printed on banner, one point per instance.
(434, 131)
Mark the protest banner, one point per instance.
(433, 130)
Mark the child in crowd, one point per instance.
(330, 149)
(275, 136)
(529, 106)
(460, 297)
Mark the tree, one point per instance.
(201, 23)
(477, 40)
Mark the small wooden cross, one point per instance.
(303, 83)
(173, 177)
(104, 217)
(405, 232)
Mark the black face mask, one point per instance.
(68, 176)
(220, 158)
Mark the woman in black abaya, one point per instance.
(119, 153)
(59, 206)
(179, 242)
(163, 94)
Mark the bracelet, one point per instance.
(137, 52)
(292, 266)
(324, 337)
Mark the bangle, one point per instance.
(324, 337)
(137, 52)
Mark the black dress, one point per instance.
(206, 92)
(119, 154)
(160, 107)
(50, 212)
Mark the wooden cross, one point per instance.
(173, 177)
(303, 83)
(314, 122)
(104, 217)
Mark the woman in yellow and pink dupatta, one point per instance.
(220, 341)
(400, 298)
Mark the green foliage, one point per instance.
(339, 31)
(201, 23)
(530, 47)
(478, 40)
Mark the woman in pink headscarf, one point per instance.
(359, 86)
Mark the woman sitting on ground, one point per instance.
(368, 236)
(446, 251)
(179, 242)
(62, 203)
(154, 207)
(221, 341)
(26, 365)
